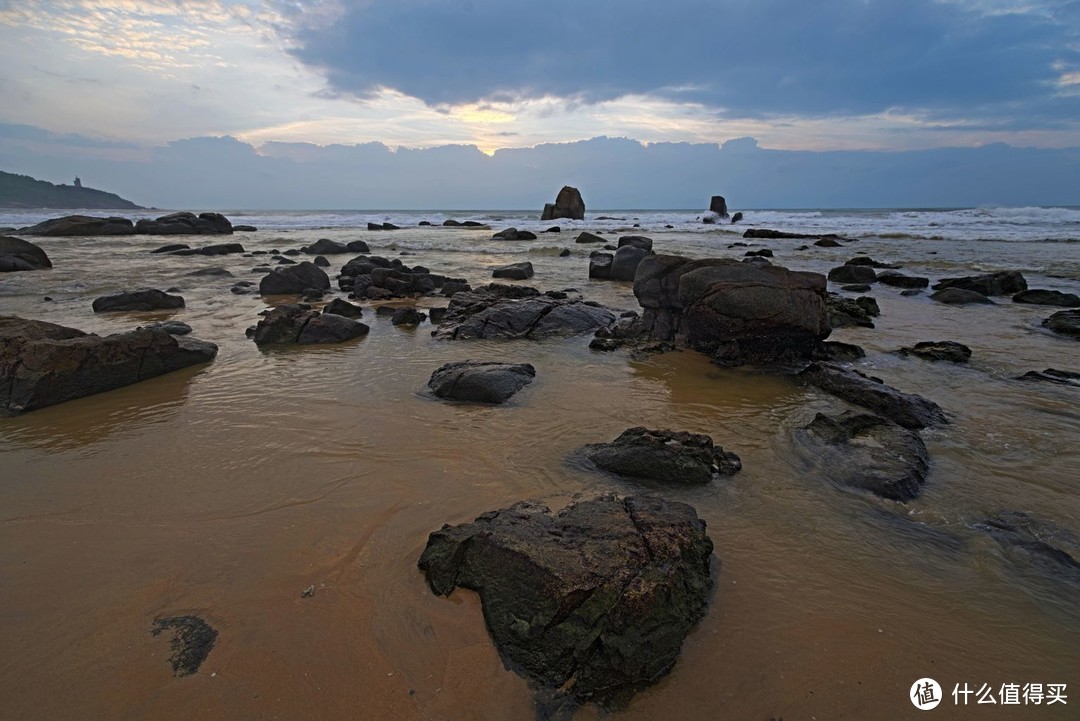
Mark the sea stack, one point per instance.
(568, 204)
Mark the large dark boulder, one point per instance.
(587, 237)
(600, 265)
(144, 299)
(718, 205)
(514, 234)
(568, 204)
(1005, 282)
(294, 279)
(939, 350)
(638, 241)
(71, 225)
(960, 296)
(489, 314)
(300, 324)
(1066, 322)
(325, 246)
(593, 601)
(185, 223)
(19, 254)
(626, 261)
(905, 409)
(1046, 297)
(42, 364)
(480, 382)
(514, 271)
(866, 452)
(899, 280)
(737, 312)
(343, 308)
(860, 274)
(666, 456)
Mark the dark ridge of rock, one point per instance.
(904, 409)
(514, 271)
(838, 352)
(768, 234)
(325, 246)
(1053, 375)
(638, 241)
(42, 364)
(451, 223)
(144, 299)
(192, 640)
(505, 290)
(857, 288)
(862, 274)
(343, 308)
(480, 382)
(514, 234)
(79, 225)
(866, 260)
(827, 243)
(292, 251)
(590, 603)
(173, 247)
(943, 350)
(299, 324)
(1066, 322)
(17, 254)
(664, 456)
(473, 224)
(219, 249)
(490, 313)
(587, 237)
(1036, 545)
(382, 226)
(568, 204)
(866, 452)
(407, 316)
(294, 279)
(244, 228)
(215, 272)
(424, 223)
(960, 296)
(844, 312)
(172, 327)
(762, 253)
(1004, 282)
(899, 280)
(1048, 297)
(185, 223)
(625, 262)
(736, 312)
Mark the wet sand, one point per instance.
(226, 490)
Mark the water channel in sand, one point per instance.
(225, 490)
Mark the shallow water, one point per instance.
(225, 490)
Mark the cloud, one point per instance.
(749, 58)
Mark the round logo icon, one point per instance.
(925, 694)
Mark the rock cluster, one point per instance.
(185, 223)
(507, 312)
(377, 278)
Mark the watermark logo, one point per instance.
(925, 694)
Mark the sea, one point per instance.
(227, 490)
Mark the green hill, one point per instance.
(22, 191)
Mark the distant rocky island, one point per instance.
(22, 191)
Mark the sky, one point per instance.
(115, 86)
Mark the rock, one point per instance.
(838, 352)
(185, 223)
(451, 223)
(709, 219)
(762, 253)
(298, 323)
(325, 246)
(625, 262)
(192, 640)
(553, 229)
(736, 312)
(600, 265)
(853, 274)
(845, 312)
(944, 350)
(219, 249)
(144, 299)
(42, 364)
(856, 288)
(768, 234)
(1052, 375)
(664, 456)
(827, 243)
(1066, 322)
(455, 286)
(171, 248)
(1037, 297)
(357, 246)
(343, 308)
(866, 452)
(1005, 282)
(292, 251)
(587, 237)
(244, 228)
(294, 279)
(172, 327)
(959, 296)
(564, 253)
(488, 313)
(321, 261)
(17, 254)
(514, 234)
(899, 280)
(79, 225)
(594, 601)
(568, 204)
(514, 271)
(480, 382)
(407, 316)
(736, 218)
(718, 205)
(865, 260)
(910, 292)
(638, 241)
(904, 409)
(1036, 545)
(215, 272)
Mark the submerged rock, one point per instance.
(144, 299)
(505, 314)
(1066, 322)
(593, 601)
(1036, 545)
(480, 381)
(325, 246)
(663, 455)
(1053, 375)
(939, 350)
(1048, 297)
(1005, 282)
(192, 640)
(219, 249)
(42, 364)
(17, 254)
(905, 409)
(867, 452)
(959, 296)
